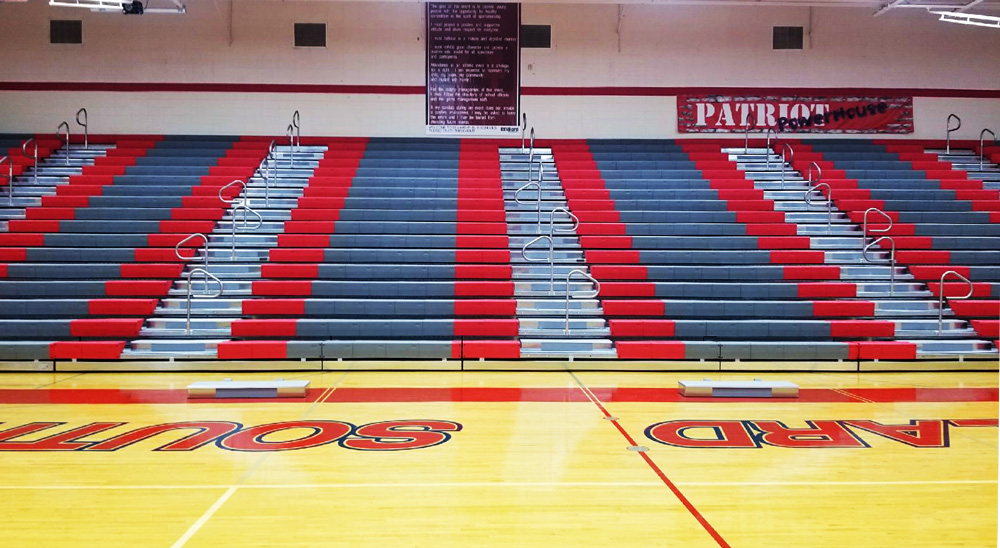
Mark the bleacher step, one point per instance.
(950, 349)
(557, 305)
(559, 324)
(820, 229)
(564, 348)
(869, 290)
(541, 289)
(178, 347)
(860, 271)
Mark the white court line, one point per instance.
(204, 518)
(482, 484)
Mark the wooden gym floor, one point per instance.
(499, 459)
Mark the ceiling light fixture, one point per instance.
(989, 21)
(118, 6)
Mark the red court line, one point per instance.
(565, 91)
(495, 394)
(656, 469)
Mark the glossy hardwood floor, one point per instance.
(499, 459)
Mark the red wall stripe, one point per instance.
(633, 91)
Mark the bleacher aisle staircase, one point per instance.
(969, 161)
(94, 258)
(945, 225)
(558, 316)
(55, 166)
(898, 297)
(241, 241)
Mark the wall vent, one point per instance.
(310, 35)
(787, 38)
(65, 31)
(536, 36)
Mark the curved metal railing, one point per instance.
(524, 127)
(538, 201)
(892, 259)
(242, 206)
(271, 163)
(234, 200)
(829, 203)
(34, 156)
(290, 133)
(84, 125)
(66, 125)
(864, 224)
(941, 295)
(298, 129)
(177, 248)
(552, 221)
(593, 295)
(819, 173)
(948, 130)
(239, 204)
(787, 157)
(531, 157)
(751, 125)
(982, 151)
(767, 136)
(207, 276)
(550, 259)
(10, 178)
(525, 186)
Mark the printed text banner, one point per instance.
(473, 68)
(812, 114)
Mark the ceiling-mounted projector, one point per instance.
(135, 8)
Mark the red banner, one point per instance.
(813, 114)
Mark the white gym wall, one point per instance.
(381, 44)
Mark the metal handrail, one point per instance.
(531, 158)
(538, 208)
(233, 201)
(597, 291)
(10, 178)
(550, 260)
(949, 130)
(819, 173)
(86, 127)
(271, 161)
(298, 129)
(767, 135)
(829, 203)
(864, 225)
(34, 162)
(524, 127)
(239, 203)
(785, 147)
(982, 151)
(552, 221)
(246, 209)
(892, 259)
(972, 289)
(538, 201)
(177, 248)
(207, 275)
(290, 133)
(67, 138)
(524, 187)
(751, 125)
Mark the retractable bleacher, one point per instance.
(401, 253)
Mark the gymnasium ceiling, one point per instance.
(977, 12)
